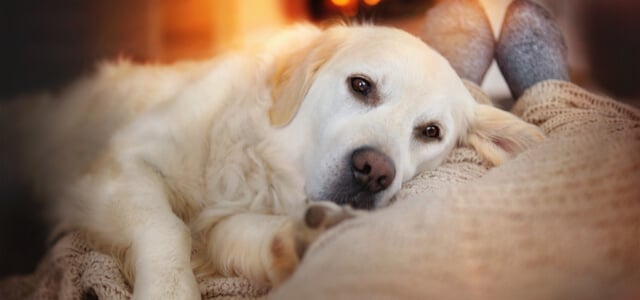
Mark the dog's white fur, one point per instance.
(152, 162)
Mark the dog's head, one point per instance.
(362, 109)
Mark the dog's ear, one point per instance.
(498, 135)
(293, 76)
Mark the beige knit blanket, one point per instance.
(561, 221)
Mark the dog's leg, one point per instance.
(267, 248)
(161, 254)
(131, 211)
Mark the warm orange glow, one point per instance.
(371, 2)
(239, 21)
(341, 3)
(183, 29)
(348, 8)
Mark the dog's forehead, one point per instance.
(407, 71)
(400, 63)
(392, 53)
(391, 45)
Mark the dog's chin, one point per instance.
(363, 200)
(345, 192)
(343, 189)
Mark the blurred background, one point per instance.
(47, 43)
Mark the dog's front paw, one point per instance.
(319, 217)
(289, 245)
(170, 284)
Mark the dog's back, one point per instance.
(49, 140)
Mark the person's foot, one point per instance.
(530, 48)
(461, 32)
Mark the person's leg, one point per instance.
(530, 48)
(531, 53)
(461, 32)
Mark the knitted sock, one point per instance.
(461, 32)
(530, 48)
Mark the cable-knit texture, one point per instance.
(560, 221)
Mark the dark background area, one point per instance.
(612, 42)
(45, 44)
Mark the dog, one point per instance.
(218, 167)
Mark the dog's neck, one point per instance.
(291, 140)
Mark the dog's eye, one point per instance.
(361, 86)
(364, 89)
(431, 132)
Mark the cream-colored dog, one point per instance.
(211, 166)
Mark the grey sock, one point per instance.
(461, 32)
(530, 48)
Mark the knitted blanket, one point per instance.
(72, 270)
(561, 221)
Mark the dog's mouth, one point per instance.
(359, 200)
(345, 191)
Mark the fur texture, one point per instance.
(210, 166)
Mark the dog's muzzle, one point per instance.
(367, 173)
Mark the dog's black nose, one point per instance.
(372, 169)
